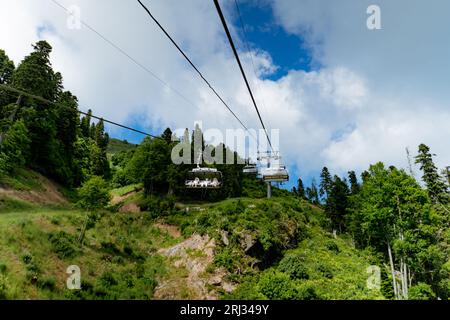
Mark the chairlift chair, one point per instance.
(275, 174)
(203, 178)
(250, 169)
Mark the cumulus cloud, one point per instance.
(375, 92)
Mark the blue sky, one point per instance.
(287, 51)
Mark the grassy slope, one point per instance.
(116, 146)
(117, 259)
(119, 256)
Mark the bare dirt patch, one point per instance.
(194, 254)
(130, 207)
(173, 231)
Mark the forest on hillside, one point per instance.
(401, 219)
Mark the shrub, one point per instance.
(156, 206)
(94, 194)
(27, 258)
(293, 265)
(332, 246)
(325, 271)
(3, 268)
(47, 283)
(277, 286)
(421, 291)
(307, 292)
(63, 244)
(227, 258)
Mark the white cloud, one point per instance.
(375, 93)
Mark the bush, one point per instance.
(94, 194)
(307, 292)
(63, 244)
(3, 268)
(156, 206)
(47, 283)
(122, 178)
(27, 258)
(325, 271)
(277, 286)
(421, 291)
(332, 246)
(294, 267)
(227, 258)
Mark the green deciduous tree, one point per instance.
(14, 147)
(394, 214)
(94, 194)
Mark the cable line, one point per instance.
(194, 67)
(123, 52)
(241, 20)
(20, 92)
(230, 39)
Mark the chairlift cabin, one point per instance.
(250, 169)
(203, 178)
(275, 174)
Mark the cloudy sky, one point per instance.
(343, 96)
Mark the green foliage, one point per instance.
(45, 136)
(116, 146)
(63, 244)
(337, 203)
(326, 183)
(14, 146)
(277, 286)
(294, 266)
(94, 194)
(421, 291)
(436, 186)
(4, 287)
(156, 206)
(6, 68)
(312, 194)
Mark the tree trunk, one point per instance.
(391, 262)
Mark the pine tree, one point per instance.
(436, 187)
(300, 189)
(167, 136)
(354, 185)
(326, 183)
(337, 203)
(312, 193)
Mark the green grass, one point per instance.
(118, 258)
(8, 205)
(291, 257)
(127, 189)
(22, 180)
(116, 146)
